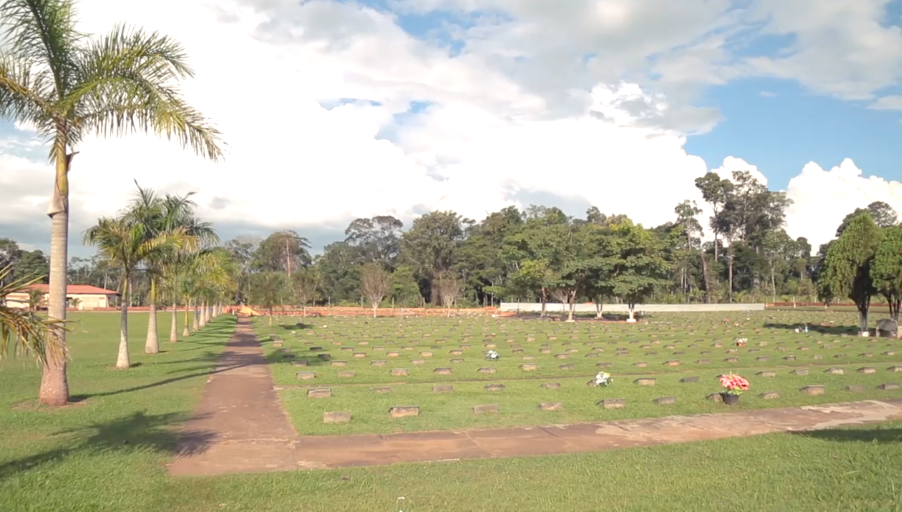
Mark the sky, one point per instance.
(338, 109)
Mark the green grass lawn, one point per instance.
(567, 354)
(108, 452)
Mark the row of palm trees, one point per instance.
(161, 236)
(67, 85)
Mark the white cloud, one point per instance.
(731, 163)
(495, 133)
(887, 103)
(822, 198)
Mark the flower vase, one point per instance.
(730, 399)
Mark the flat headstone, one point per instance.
(762, 359)
(319, 393)
(567, 366)
(889, 386)
(731, 360)
(789, 358)
(646, 382)
(316, 349)
(689, 380)
(299, 363)
(552, 406)
(817, 357)
(336, 417)
(305, 375)
(814, 390)
(529, 367)
(613, 403)
(888, 353)
(715, 397)
(867, 369)
(442, 388)
(800, 371)
(417, 361)
(603, 365)
(392, 354)
(769, 395)
(834, 371)
(703, 361)
(672, 363)
(665, 400)
(485, 370)
(552, 385)
(442, 371)
(640, 364)
(457, 361)
(485, 409)
(346, 375)
(494, 387)
(562, 356)
(544, 350)
(381, 391)
(399, 372)
(378, 363)
(404, 411)
(855, 388)
(895, 369)
(767, 374)
(426, 353)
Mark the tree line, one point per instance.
(538, 254)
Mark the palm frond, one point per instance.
(126, 85)
(23, 95)
(43, 31)
(23, 331)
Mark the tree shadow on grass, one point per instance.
(298, 326)
(137, 432)
(875, 435)
(832, 330)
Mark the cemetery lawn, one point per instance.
(673, 347)
(108, 451)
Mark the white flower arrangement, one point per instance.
(603, 379)
(491, 355)
(741, 341)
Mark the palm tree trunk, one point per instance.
(173, 325)
(195, 326)
(152, 345)
(203, 313)
(122, 361)
(186, 332)
(54, 385)
(208, 312)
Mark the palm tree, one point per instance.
(169, 215)
(68, 86)
(125, 245)
(268, 289)
(22, 330)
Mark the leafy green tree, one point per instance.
(405, 289)
(305, 284)
(886, 271)
(282, 251)
(432, 244)
(68, 86)
(716, 192)
(637, 266)
(340, 272)
(242, 251)
(686, 212)
(127, 244)
(378, 239)
(268, 289)
(883, 215)
(847, 266)
(481, 256)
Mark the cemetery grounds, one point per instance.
(109, 449)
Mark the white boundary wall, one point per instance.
(536, 307)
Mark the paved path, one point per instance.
(239, 427)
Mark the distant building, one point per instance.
(78, 296)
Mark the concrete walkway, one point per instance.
(239, 427)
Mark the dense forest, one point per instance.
(540, 254)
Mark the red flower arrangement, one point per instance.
(733, 384)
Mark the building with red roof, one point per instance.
(78, 296)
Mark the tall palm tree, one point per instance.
(23, 330)
(166, 215)
(68, 86)
(126, 244)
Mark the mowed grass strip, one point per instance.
(108, 453)
(519, 401)
(671, 343)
